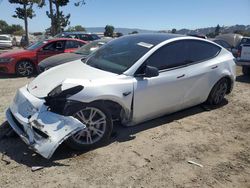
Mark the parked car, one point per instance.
(132, 79)
(24, 62)
(78, 35)
(5, 41)
(243, 56)
(83, 52)
(235, 41)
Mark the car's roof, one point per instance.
(154, 38)
(77, 32)
(58, 39)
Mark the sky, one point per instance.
(142, 14)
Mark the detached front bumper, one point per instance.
(39, 128)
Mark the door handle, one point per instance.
(181, 76)
(214, 67)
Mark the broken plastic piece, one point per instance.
(197, 164)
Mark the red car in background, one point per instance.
(24, 62)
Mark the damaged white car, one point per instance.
(131, 79)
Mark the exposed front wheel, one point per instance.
(246, 70)
(98, 128)
(25, 68)
(218, 92)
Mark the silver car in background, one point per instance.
(5, 41)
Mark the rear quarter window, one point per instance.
(201, 50)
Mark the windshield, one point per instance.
(36, 45)
(120, 54)
(89, 48)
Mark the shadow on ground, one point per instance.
(5, 76)
(15, 149)
(243, 79)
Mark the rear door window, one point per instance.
(83, 37)
(73, 44)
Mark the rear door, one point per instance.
(202, 71)
(50, 49)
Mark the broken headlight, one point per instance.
(57, 98)
(57, 92)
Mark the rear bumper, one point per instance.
(243, 63)
(6, 45)
(43, 131)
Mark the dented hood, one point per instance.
(48, 80)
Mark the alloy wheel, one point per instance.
(95, 121)
(25, 68)
(220, 93)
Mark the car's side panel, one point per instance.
(159, 95)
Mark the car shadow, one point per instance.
(13, 148)
(243, 78)
(5, 76)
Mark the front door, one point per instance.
(50, 49)
(159, 95)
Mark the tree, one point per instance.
(76, 28)
(217, 30)
(109, 31)
(79, 28)
(173, 30)
(58, 20)
(3, 25)
(134, 32)
(10, 29)
(24, 12)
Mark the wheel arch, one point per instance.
(26, 59)
(117, 110)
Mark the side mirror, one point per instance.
(149, 72)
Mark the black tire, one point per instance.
(105, 128)
(25, 68)
(246, 70)
(218, 92)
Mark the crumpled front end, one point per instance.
(39, 128)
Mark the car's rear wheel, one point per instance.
(246, 70)
(25, 68)
(218, 92)
(98, 129)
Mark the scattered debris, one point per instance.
(147, 160)
(35, 168)
(4, 160)
(197, 164)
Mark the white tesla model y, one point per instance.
(131, 79)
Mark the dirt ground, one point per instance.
(153, 154)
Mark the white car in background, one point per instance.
(5, 41)
(131, 79)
